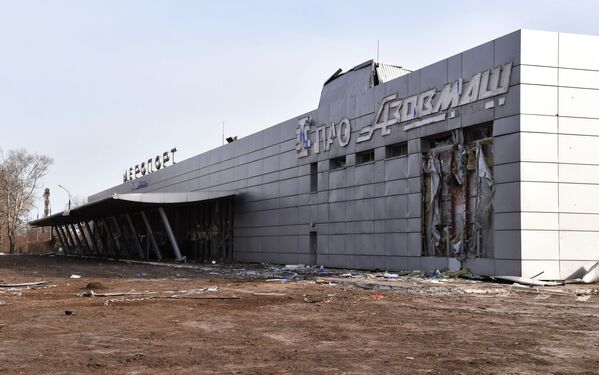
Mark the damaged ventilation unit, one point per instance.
(458, 194)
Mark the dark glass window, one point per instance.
(336, 163)
(313, 177)
(397, 149)
(364, 157)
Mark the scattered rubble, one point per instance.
(349, 318)
(19, 285)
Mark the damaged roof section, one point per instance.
(358, 79)
(380, 72)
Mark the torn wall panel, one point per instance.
(458, 199)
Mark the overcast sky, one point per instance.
(102, 85)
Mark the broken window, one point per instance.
(396, 150)
(336, 163)
(458, 193)
(364, 157)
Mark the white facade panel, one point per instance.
(588, 79)
(538, 124)
(579, 126)
(540, 245)
(578, 102)
(579, 149)
(579, 198)
(548, 269)
(539, 196)
(538, 75)
(579, 51)
(578, 245)
(538, 147)
(538, 100)
(539, 220)
(583, 222)
(539, 172)
(539, 48)
(579, 173)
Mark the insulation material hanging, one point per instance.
(433, 236)
(483, 212)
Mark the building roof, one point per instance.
(119, 204)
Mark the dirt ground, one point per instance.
(217, 320)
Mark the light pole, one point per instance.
(68, 192)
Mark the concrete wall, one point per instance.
(365, 216)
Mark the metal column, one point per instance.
(77, 238)
(71, 240)
(67, 240)
(90, 245)
(230, 230)
(151, 236)
(135, 238)
(116, 249)
(120, 234)
(171, 235)
(99, 228)
(64, 247)
(92, 237)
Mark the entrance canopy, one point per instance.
(120, 204)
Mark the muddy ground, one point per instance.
(171, 322)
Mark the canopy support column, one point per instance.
(170, 234)
(67, 248)
(90, 245)
(151, 236)
(79, 243)
(140, 250)
(112, 240)
(92, 237)
(119, 232)
(62, 243)
(73, 246)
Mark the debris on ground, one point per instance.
(525, 281)
(295, 266)
(93, 285)
(351, 320)
(21, 285)
(269, 294)
(87, 293)
(111, 301)
(75, 276)
(592, 276)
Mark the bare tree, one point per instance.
(20, 173)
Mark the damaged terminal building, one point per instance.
(488, 159)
